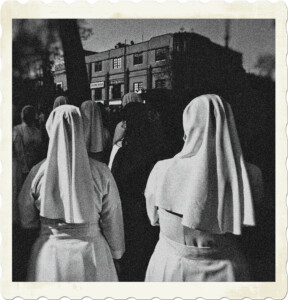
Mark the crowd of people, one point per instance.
(98, 201)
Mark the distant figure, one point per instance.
(131, 168)
(76, 201)
(16, 176)
(106, 132)
(119, 130)
(96, 140)
(18, 273)
(27, 141)
(27, 151)
(201, 198)
(60, 100)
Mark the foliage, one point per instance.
(265, 65)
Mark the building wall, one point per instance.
(61, 78)
(199, 63)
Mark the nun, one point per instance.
(96, 141)
(201, 199)
(75, 201)
(60, 100)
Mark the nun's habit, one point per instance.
(93, 129)
(201, 198)
(79, 207)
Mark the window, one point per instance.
(117, 63)
(160, 54)
(116, 91)
(98, 94)
(138, 59)
(59, 86)
(98, 66)
(137, 86)
(160, 84)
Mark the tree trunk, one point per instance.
(77, 77)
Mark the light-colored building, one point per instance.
(176, 60)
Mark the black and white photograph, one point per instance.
(143, 150)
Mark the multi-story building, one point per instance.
(179, 61)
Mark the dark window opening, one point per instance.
(160, 84)
(160, 54)
(98, 94)
(116, 91)
(98, 66)
(138, 59)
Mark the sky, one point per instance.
(251, 37)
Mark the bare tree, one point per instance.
(265, 65)
(77, 78)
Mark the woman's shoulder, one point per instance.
(17, 129)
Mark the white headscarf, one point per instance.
(65, 179)
(207, 181)
(93, 126)
(61, 100)
(131, 97)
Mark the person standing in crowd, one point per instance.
(76, 201)
(131, 167)
(166, 109)
(27, 141)
(120, 128)
(106, 132)
(17, 237)
(96, 141)
(201, 199)
(60, 100)
(27, 152)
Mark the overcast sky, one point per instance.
(250, 37)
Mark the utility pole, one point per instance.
(126, 72)
(227, 32)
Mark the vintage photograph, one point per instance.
(143, 150)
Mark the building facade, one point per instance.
(171, 61)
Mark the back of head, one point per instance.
(66, 189)
(93, 126)
(28, 115)
(136, 117)
(61, 100)
(208, 182)
(131, 97)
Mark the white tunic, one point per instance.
(76, 252)
(185, 254)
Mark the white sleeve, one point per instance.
(119, 133)
(150, 195)
(112, 219)
(113, 154)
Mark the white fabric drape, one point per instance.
(207, 181)
(93, 126)
(131, 97)
(65, 177)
